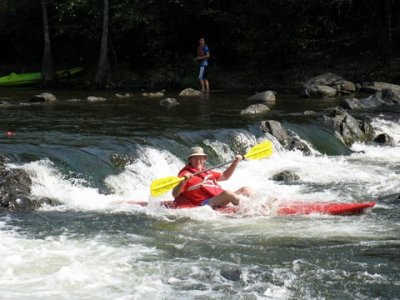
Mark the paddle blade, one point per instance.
(163, 185)
(259, 151)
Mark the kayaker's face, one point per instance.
(198, 161)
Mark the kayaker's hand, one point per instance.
(188, 176)
(239, 158)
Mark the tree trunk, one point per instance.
(47, 61)
(101, 79)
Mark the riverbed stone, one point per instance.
(189, 92)
(43, 97)
(169, 102)
(265, 97)
(255, 109)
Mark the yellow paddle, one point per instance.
(163, 185)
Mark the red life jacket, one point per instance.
(200, 187)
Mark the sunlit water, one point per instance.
(98, 245)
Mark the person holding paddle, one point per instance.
(200, 186)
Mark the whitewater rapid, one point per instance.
(97, 245)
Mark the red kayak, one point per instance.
(289, 208)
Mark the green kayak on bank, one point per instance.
(15, 79)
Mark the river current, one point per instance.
(97, 245)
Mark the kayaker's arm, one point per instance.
(229, 171)
(176, 191)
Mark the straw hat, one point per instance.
(197, 151)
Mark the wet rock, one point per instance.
(190, 93)
(289, 140)
(123, 96)
(373, 87)
(4, 104)
(265, 97)
(347, 128)
(384, 139)
(232, 274)
(275, 128)
(121, 160)
(320, 91)
(286, 176)
(15, 189)
(297, 144)
(328, 79)
(255, 109)
(309, 113)
(95, 99)
(154, 94)
(169, 102)
(43, 97)
(328, 85)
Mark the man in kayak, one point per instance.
(203, 189)
(203, 53)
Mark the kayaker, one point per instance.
(203, 54)
(203, 189)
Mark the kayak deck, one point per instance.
(289, 208)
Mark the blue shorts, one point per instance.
(203, 73)
(205, 202)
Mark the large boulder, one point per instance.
(328, 85)
(288, 139)
(373, 87)
(275, 128)
(347, 128)
(381, 97)
(320, 91)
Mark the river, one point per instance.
(97, 245)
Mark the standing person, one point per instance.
(203, 189)
(203, 54)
